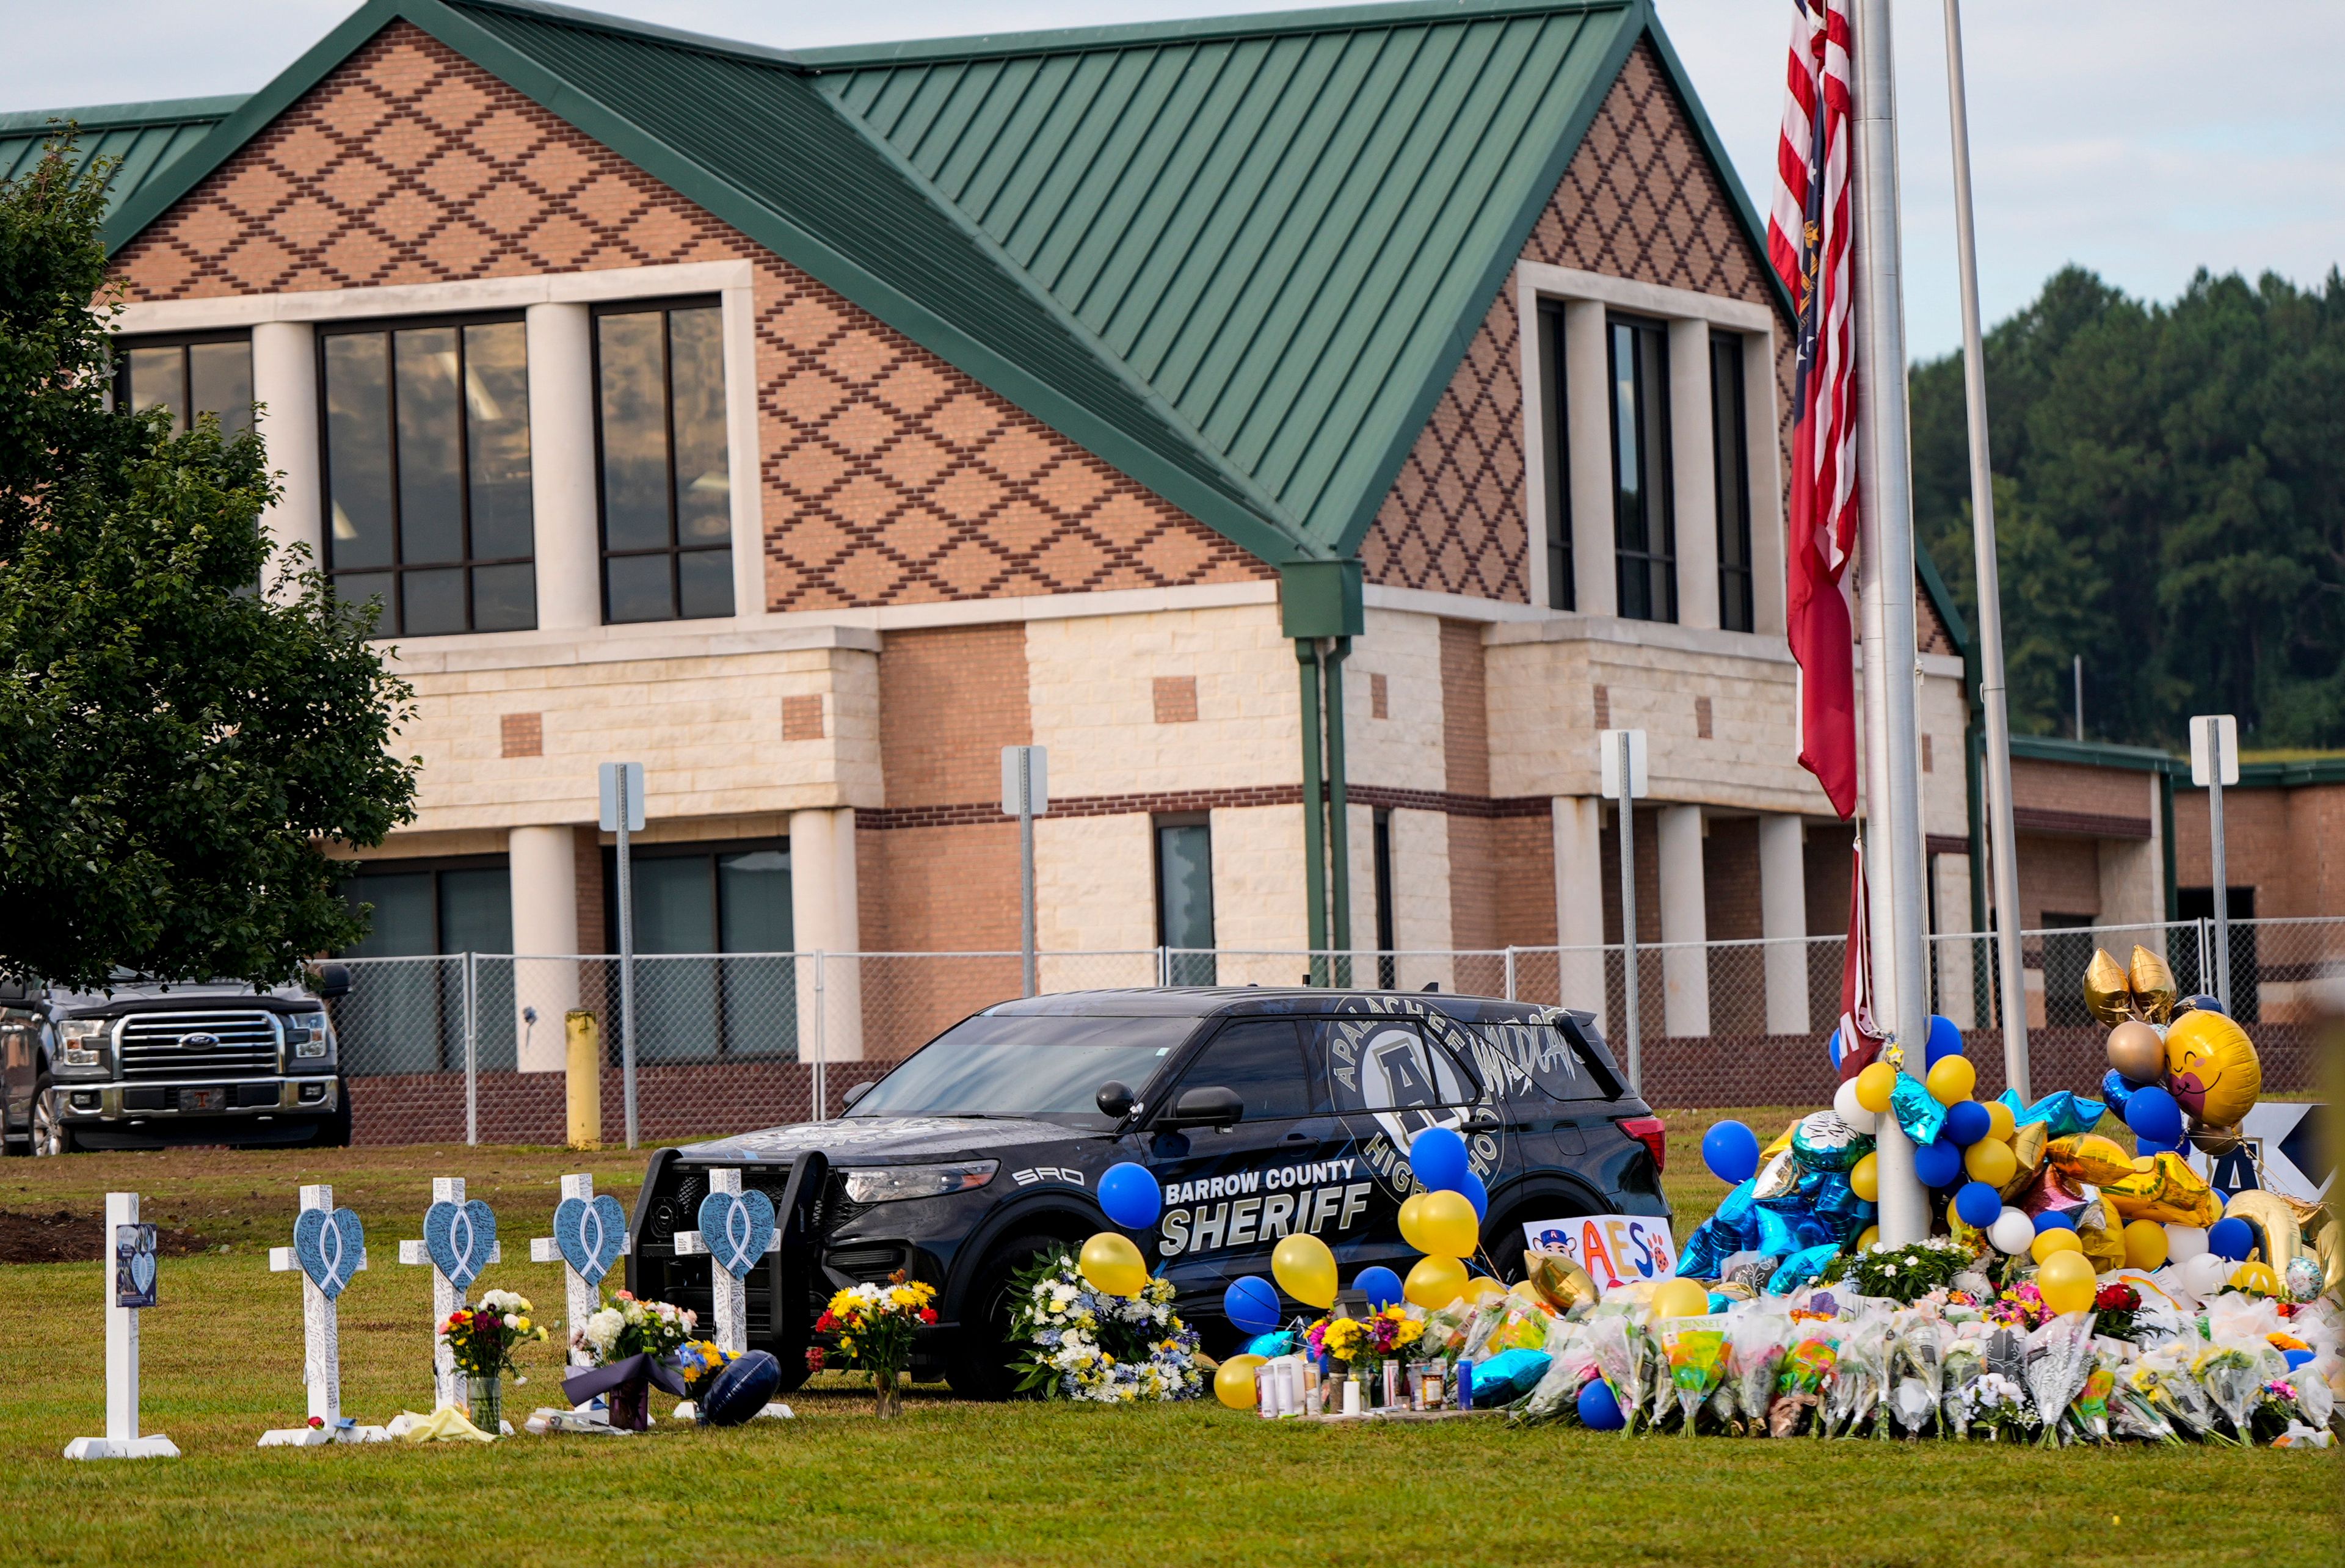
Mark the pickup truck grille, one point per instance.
(244, 1046)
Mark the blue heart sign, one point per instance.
(736, 1228)
(330, 1246)
(460, 1237)
(133, 1265)
(590, 1235)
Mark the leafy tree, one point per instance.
(2169, 503)
(179, 740)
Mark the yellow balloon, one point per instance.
(2211, 1068)
(1874, 1084)
(1112, 1263)
(2047, 1242)
(1435, 1281)
(2000, 1121)
(1864, 1179)
(1480, 1289)
(1450, 1225)
(2066, 1279)
(1233, 1382)
(2145, 1243)
(1871, 1234)
(1412, 1221)
(1306, 1269)
(1951, 1079)
(2256, 1277)
(1680, 1298)
(1990, 1161)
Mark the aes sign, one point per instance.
(1615, 1249)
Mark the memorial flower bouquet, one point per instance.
(1078, 1344)
(481, 1340)
(697, 1360)
(630, 1343)
(874, 1326)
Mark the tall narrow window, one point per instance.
(1184, 898)
(1385, 976)
(190, 376)
(428, 475)
(1644, 530)
(1555, 453)
(1730, 443)
(717, 916)
(668, 514)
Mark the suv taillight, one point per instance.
(1648, 1131)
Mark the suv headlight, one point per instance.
(310, 1036)
(887, 1183)
(81, 1043)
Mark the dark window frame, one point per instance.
(1380, 832)
(118, 385)
(675, 549)
(436, 864)
(1189, 967)
(1730, 422)
(710, 850)
(1654, 559)
(394, 612)
(1555, 454)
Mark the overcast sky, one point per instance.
(2143, 138)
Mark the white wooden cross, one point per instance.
(448, 1383)
(732, 1295)
(121, 1439)
(584, 1296)
(321, 1339)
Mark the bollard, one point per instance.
(585, 1088)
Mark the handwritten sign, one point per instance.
(1615, 1249)
(130, 1287)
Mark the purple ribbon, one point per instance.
(580, 1387)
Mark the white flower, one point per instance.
(604, 1328)
(512, 1320)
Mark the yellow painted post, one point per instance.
(585, 1088)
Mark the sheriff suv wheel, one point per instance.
(979, 1368)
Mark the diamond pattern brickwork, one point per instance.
(890, 477)
(1640, 200)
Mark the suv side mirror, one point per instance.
(333, 981)
(856, 1093)
(1114, 1100)
(1210, 1107)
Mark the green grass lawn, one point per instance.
(950, 1482)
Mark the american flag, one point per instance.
(1809, 237)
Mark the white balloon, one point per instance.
(2206, 1274)
(2184, 1242)
(1847, 1107)
(2012, 1232)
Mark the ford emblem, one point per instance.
(199, 1042)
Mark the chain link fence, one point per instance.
(472, 1047)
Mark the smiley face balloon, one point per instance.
(2211, 1068)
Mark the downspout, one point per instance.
(1339, 834)
(1975, 806)
(1314, 860)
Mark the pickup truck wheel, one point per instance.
(334, 1130)
(51, 1136)
(979, 1367)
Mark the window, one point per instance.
(1555, 453)
(433, 906)
(1261, 1060)
(1644, 533)
(428, 475)
(1387, 976)
(666, 491)
(191, 377)
(724, 910)
(1184, 898)
(1731, 446)
(409, 1016)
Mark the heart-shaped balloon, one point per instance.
(736, 1228)
(459, 1239)
(330, 1246)
(590, 1235)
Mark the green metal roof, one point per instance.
(145, 138)
(1237, 259)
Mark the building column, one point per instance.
(1587, 412)
(543, 864)
(1693, 473)
(1685, 970)
(1763, 442)
(569, 530)
(1784, 920)
(285, 383)
(826, 917)
(1580, 904)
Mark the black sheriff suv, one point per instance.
(1263, 1112)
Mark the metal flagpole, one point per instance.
(2003, 844)
(1885, 511)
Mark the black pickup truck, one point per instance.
(147, 1065)
(1263, 1112)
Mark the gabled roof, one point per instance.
(1237, 259)
(147, 139)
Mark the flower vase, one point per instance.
(888, 1398)
(629, 1405)
(488, 1403)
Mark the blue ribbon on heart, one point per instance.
(736, 1228)
(142, 1270)
(459, 1238)
(589, 1235)
(330, 1244)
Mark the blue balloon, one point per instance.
(1966, 1123)
(1978, 1204)
(2231, 1238)
(2155, 1115)
(1598, 1410)
(2052, 1220)
(1269, 1347)
(2295, 1358)
(1731, 1149)
(740, 1388)
(2199, 1002)
(2115, 1090)
(1438, 1155)
(1381, 1286)
(1945, 1040)
(1251, 1305)
(1938, 1164)
(1832, 1046)
(1131, 1196)
(1476, 1191)
(2151, 1145)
